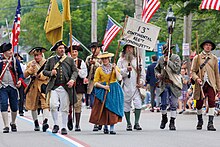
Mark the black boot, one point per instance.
(36, 125)
(210, 126)
(163, 121)
(45, 125)
(172, 124)
(77, 128)
(200, 122)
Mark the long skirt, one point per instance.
(107, 117)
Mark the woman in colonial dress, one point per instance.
(105, 79)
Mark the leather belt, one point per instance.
(168, 81)
(59, 84)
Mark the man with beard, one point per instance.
(63, 73)
(127, 64)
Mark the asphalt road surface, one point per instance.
(151, 136)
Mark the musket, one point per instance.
(34, 77)
(92, 66)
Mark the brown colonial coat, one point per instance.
(34, 94)
(212, 71)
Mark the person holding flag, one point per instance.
(11, 76)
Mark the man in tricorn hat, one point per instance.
(168, 73)
(127, 64)
(79, 86)
(205, 73)
(63, 73)
(34, 95)
(93, 63)
(11, 76)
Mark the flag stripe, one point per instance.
(111, 31)
(149, 8)
(16, 26)
(210, 4)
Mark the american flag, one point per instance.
(210, 4)
(74, 42)
(111, 31)
(149, 8)
(16, 26)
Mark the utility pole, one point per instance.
(138, 12)
(187, 35)
(94, 21)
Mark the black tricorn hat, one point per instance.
(57, 44)
(95, 44)
(165, 47)
(208, 41)
(74, 47)
(5, 47)
(37, 49)
(18, 55)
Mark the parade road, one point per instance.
(151, 136)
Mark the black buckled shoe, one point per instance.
(100, 127)
(55, 129)
(112, 132)
(105, 131)
(77, 129)
(63, 131)
(137, 127)
(6, 130)
(36, 126)
(45, 125)
(129, 128)
(13, 127)
(95, 128)
(70, 124)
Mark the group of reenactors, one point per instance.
(57, 86)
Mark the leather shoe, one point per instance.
(129, 128)
(95, 128)
(137, 127)
(13, 127)
(55, 129)
(70, 124)
(77, 129)
(105, 131)
(63, 131)
(100, 127)
(6, 130)
(112, 132)
(45, 125)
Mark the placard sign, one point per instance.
(140, 34)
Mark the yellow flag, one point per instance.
(53, 25)
(66, 10)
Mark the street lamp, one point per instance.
(171, 19)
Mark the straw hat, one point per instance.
(105, 55)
